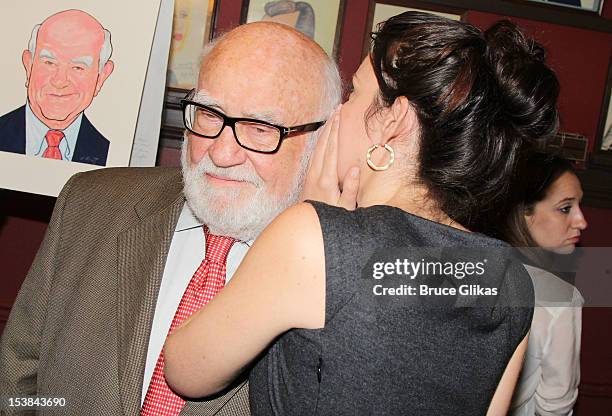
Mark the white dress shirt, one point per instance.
(36, 144)
(184, 257)
(549, 380)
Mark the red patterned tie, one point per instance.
(207, 280)
(53, 137)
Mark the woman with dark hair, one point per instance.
(547, 221)
(431, 134)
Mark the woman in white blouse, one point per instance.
(549, 218)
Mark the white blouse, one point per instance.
(548, 384)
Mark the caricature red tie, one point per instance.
(53, 137)
(207, 280)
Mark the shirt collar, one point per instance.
(187, 221)
(40, 129)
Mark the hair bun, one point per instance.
(504, 37)
(479, 98)
(528, 87)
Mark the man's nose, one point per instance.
(60, 77)
(225, 150)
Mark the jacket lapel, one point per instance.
(239, 394)
(13, 131)
(91, 147)
(142, 252)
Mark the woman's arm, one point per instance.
(279, 285)
(503, 394)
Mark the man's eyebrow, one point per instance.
(45, 53)
(202, 97)
(272, 117)
(85, 60)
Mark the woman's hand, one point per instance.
(322, 182)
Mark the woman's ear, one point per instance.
(528, 212)
(399, 120)
(528, 219)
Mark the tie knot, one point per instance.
(217, 247)
(54, 137)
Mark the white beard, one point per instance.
(242, 212)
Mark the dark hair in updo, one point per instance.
(480, 99)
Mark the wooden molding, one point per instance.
(597, 186)
(172, 129)
(531, 10)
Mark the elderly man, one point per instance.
(66, 64)
(115, 272)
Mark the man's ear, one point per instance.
(106, 71)
(399, 119)
(26, 59)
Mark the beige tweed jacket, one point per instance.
(80, 327)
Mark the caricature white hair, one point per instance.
(105, 52)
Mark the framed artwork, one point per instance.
(379, 11)
(601, 156)
(604, 132)
(191, 28)
(65, 107)
(320, 20)
(587, 5)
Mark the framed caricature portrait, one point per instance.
(318, 19)
(73, 81)
(191, 28)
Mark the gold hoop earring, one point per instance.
(386, 165)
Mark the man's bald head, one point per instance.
(268, 72)
(75, 24)
(273, 40)
(72, 23)
(281, 55)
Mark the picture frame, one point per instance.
(320, 20)
(192, 28)
(525, 9)
(592, 6)
(185, 68)
(602, 151)
(604, 132)
(381, 10)
(95, 124)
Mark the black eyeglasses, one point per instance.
(256, 135)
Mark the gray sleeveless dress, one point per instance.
(398, 354)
